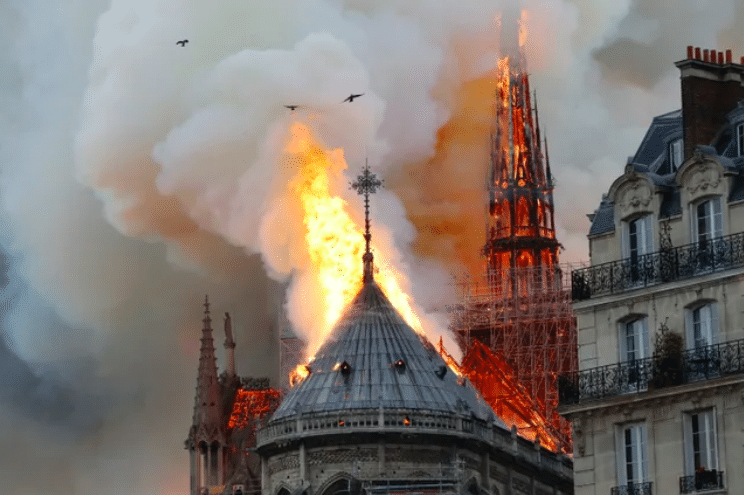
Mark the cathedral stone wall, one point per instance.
(379, 463)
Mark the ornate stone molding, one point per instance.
(635, 197)
(702, 176)
(704, 179)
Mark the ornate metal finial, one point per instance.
(367, 184)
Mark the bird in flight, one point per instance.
(351, 97)
(292, 107)
(182, 42)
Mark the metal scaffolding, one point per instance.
(525, 317)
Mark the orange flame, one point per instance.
(301, 372)
(335, 243)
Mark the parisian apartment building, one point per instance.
(657, 406)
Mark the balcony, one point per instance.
(702, 481)
(633, 489)
(659, 267)
(702, 363)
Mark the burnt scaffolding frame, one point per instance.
(534, 329)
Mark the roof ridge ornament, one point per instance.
(367, 183)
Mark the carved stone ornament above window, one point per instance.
(635, 197)
(704, 179)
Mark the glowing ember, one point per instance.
(301, 372)
(335, 243)
(252, 405)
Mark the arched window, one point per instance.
(523, 213)
(504, 220)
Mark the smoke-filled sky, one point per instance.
(137, 175)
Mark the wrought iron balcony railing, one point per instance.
(692, 365)
(701, 481)
(633, 489)
(659, 267)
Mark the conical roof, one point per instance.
(374, 359)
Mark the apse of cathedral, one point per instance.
(376, 411)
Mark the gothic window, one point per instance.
(504, 219)
(632, 459)
(541, 214)
(523, 213)
(701, 451)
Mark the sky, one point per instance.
(137, 175)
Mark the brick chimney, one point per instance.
(712, 85)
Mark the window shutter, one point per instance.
(625, 247)
(642, 452)
(689, 333)
(711, 439)
(717, 218)
(620, 455)
(648, 234)
(714, 325)
(643, 338)
(688, 451)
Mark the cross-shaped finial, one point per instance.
(367, 183)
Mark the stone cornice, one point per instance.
(599, 303)
(626, 403)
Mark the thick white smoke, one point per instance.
(138, 175)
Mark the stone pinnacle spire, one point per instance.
(367, 183)
(207, 407)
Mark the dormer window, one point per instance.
(675, 155)
(740, 139)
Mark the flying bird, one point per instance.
(292, 107)
(351, 97)
(182, 42)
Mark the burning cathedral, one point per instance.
(380, 410)
(376, 411)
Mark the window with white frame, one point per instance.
(701, 450)
(631, 456)
(708, 221)
(634, 339)
(639, 241)
(702, 325)
(740, 139)
(675, 154)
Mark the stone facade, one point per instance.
(651, 416)
(486, 461)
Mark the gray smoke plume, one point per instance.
(138, 175)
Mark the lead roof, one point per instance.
(371, 337)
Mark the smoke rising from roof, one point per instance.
(137, 174)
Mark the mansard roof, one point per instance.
(652, 161)
(373, 359)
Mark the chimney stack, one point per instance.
(712, 86)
